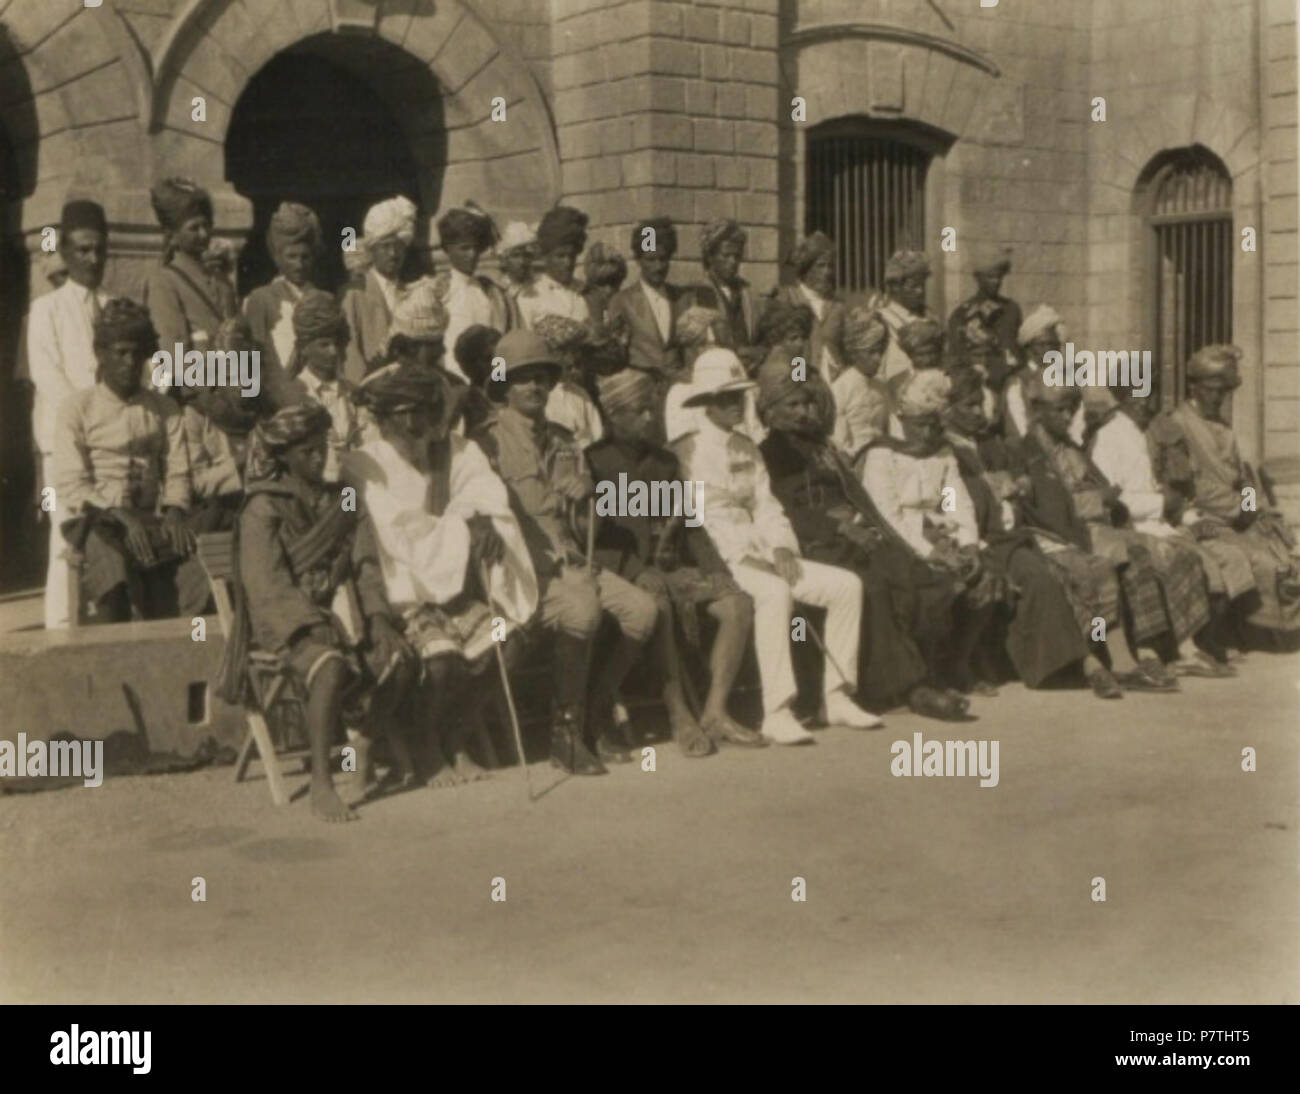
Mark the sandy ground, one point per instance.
(676, 884)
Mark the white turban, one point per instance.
(517, 234)
(394, 217)
(1038, 321)
(924, 392)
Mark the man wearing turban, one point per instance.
(185, 303)
(677, 564)
(907, 617)
(988, 310)
(570, 403)
(906, 273)
(122, 479)
(862, 402)
(517, 253)
(1221, 499)
(649, 310)
(813, 264)
(1162, 579)
(310, 589)
(722, 250)
(293, 240)
(321, 340)
(1040, 333)
(605, 270)
(61, 360)
(561, 236)
(388, 231)
(465, 234)
(441, 520)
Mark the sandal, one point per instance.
(691, 739)
(722, 728)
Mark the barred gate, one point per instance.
(868, 194)
(1191, 223)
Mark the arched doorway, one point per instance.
(336, 123)
(1185, 196)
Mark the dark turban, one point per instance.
(474, 350)
(805, 256)
(122, 320)
(292, 223)
(782, 320)
(560, 227)
(921, 334)
(82, 214)
(604, 266)
(776, 383)
(398, 387)
(717, 232)
(965, 383)
(282, 430)
(628, 387)
(176, 200)
(905, 264)
(318, 315)
(665, 237)
(466, 224)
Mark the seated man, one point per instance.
(674, 563)
(1162, 579)
(441, 519)
(310, 589)
(754, 538)
(120, 458)
(1225, 504)
(916, 484)
(907, 619)
(1118, 447)
(547, 476)
(570, 403)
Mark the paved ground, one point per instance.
(676, 885)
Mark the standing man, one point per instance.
(906, 273)
(996, 313)
(722, 250)
(471, 299)
(561, 236)
(650, 309)
(813, 262)
(61, 357)
(388, 231)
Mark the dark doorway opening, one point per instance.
(336, 123)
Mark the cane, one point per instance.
(817, 638)
(505, 685)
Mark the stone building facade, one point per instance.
(628, 107)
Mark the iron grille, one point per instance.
(867, 194)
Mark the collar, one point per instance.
(314, 384)
(191, 266)
(294, 292)
(651, 291)
(463, 279)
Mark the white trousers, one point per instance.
(56, 573)
(838, 591)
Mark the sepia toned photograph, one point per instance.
(649, 502)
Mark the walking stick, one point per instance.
(505, 685)
(825, 652)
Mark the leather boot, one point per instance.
(568, 750)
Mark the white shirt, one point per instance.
(546, 296)
(391, 289)
(895, 361)
(60, 352)
(741, 515)
(467, 304)
(661, 310)
(344, 432)
(568, 405)
(1119, 449)
(909, 492)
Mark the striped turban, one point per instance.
(285, 428)
(604, 266)
(923, 394)
(292, 223)
(717, 232)
(629, 387)
(562, 334)
(399, 387)
(807, 253)
(420, 314)
(394, 217)
(695, 326)
(864, 332)
(905, 264)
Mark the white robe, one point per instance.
(424, 558)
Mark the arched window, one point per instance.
(865, 188)
(1188, 197)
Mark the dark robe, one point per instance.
(908, 614)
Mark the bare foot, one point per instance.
(327, 805)
(468, 770)
(444, 775)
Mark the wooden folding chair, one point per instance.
(271, 683)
